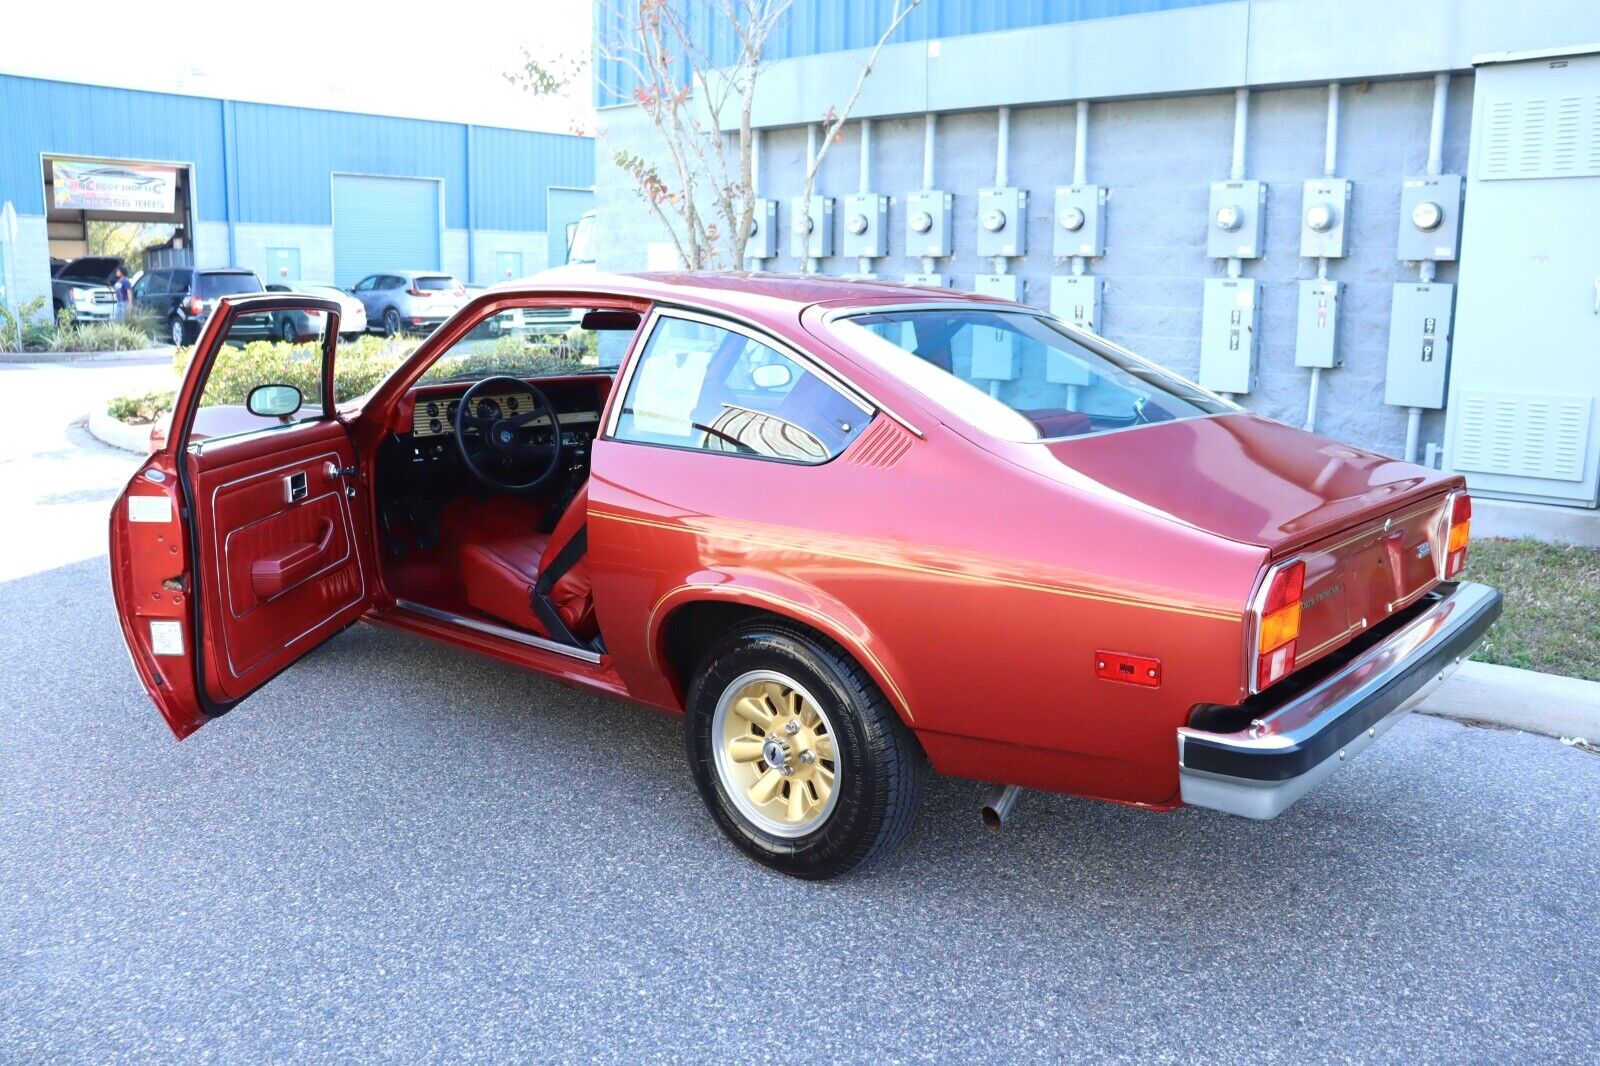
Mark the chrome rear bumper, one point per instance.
(1288, 749)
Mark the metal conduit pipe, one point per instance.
(1426, 269)
(929, 124)
(1330, 166)
(1241, 127)
(1080, 176)
(811, 154)
(755, 266)
(1002, 170)
(864, 182)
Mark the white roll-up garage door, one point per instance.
(383, 224)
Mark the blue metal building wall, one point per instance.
(812, 27)
(282, 157)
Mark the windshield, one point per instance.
(209, 285)
(530, 342)
(1021, 376)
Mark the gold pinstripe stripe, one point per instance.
(934, 571)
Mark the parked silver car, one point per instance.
(295, 326)
(409, 301)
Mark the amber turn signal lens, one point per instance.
(1280, 627)
(1455, 559)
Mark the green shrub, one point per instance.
(26, 331)
(141, 410)
(98, 337)
(361, 364)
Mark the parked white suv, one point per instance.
(409, 301)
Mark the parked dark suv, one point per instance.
(184, 297)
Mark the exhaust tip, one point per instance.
(997, 806)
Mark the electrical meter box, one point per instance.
(763, 242)
(1076, 298)
(1316, 338)
(994, 353)
(928, 214)
(1324, 209)
(866, 226)
(1228, 328)
(1430, 217)
(1419, 344)
(811, 228)
(1237, 222)
(1080, 227)
(936, 281)
(1002, 222)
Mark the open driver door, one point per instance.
(241, 544)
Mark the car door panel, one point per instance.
(284, 568)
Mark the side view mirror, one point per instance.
(771, 376)
(273, 401)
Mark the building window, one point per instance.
(283, 265)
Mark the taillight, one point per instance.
(196, 305)
(1455, 552)
(1278, 623)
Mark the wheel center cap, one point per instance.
(776, 752)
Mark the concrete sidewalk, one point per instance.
(1548, 704)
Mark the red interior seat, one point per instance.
(499, 575)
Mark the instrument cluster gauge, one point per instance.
(488, 409)
(433, 409)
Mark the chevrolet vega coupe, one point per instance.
(851, 531)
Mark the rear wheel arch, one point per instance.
(692, 626)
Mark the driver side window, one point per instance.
(698, 385)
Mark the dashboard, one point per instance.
(428, 429)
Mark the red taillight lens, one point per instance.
(196, 305)
(1278, 628)
(1455, 556)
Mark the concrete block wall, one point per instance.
(487, 244)
(1158, 157)
(315, 243)
(30, 263)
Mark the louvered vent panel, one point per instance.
(1541, 137)
(884, 442)
(1523, 435)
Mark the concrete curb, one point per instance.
(1549, 704)
(85, 357)
(108, 430)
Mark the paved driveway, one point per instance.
(397, 850)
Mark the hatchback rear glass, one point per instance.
(209, 285)
(437, 283)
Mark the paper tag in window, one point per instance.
(149, 508)
(166, 637)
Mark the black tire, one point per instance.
(286, 332)
(880, 767)
(391, 322)
(177, 332)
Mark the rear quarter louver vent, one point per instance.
(884, 442)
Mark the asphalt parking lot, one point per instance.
(398, 850)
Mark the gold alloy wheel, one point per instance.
(775, 753)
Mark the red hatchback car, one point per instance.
(850, 530)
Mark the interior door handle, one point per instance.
(275, 574)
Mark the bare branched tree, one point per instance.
(702, 192)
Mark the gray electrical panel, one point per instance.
(1228, 327)
(763, 242)
(866, 226)
(1430, 218)
(1076, 298)
(1080, 227)
(1419, 344)
(1324, 210)
(1002, 222)
(937, 281)
(1236, 225)
(928, 214)
(811, 228)
(994, 354)
(1316, 338)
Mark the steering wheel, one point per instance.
(498, 454)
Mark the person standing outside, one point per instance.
(124, 290)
